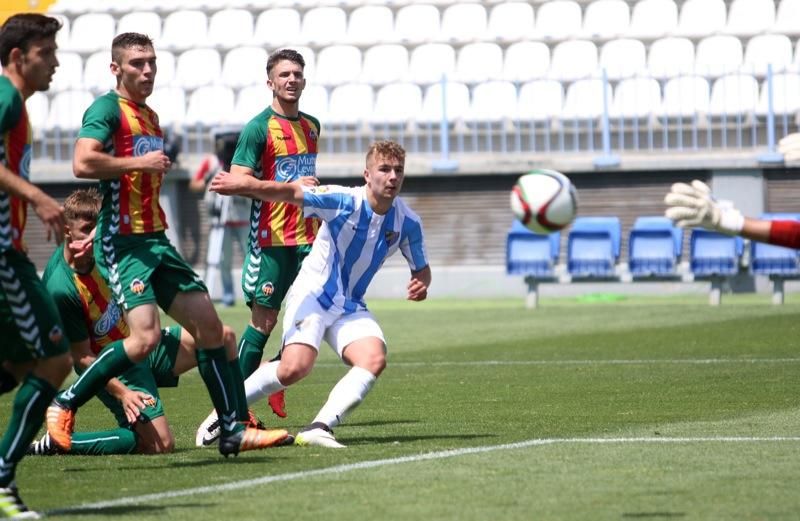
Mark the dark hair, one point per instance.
(126, 41)
(82, 204)
(285, 54)
(21, 29)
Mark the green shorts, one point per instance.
(147, 376)
(29, 322)
(144, 268)
(268, 273)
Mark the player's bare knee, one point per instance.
(375, 363)
(289, 373)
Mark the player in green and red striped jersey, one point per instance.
(34, 349)
(120, 143)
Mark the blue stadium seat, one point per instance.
(593, 247)
(713, 254)
(771, 260)
(654, 247)
(531, 254)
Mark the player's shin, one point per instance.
(263, 382)
(111, 362)
(345, 396)
(251, 349)
(215, 371)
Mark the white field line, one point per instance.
(646, 361)
(340, 469)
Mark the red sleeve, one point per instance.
(785, 233)
(202, 170)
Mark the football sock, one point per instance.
(238, 388)
(27, 416)
(263, 382)
(101, 443)
(215, 371)
(345, 396)
(251, 349)
(112, 361)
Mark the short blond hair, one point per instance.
(83, 204)
(387, 149)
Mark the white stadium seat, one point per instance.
(145, 22)
(767, 49)
(198, 67)
(37, 107)
(251, 101)
(370, 24)
(670, 57)
(350, 105)
(750, 17)
(605, 19)
(734, 95)
(785, 94)
(430, 61)
(540, 100)
(396, 104)
(277, 27)
(170, 104)
(653, 19)
(67, 108)
(324, 26)
(62, 36)
(456, 103)
(584, 100)
(315, 102)
(97, 75)
(685, 97)
(386, 63)
(636, 98)
(185, 29)
(701, 17)
(718, 55)
(492, 102)
(558, 20)
(787, 18)
(91, 32)
(417, 23)
(478, 62)
(210, 105)
(525, 61)
(244, 66)
(573, 59)
(165, 61)
(230, 28)
(337, 65)
(511, 22)
(69, 73)
(623, 58)
(462, 23)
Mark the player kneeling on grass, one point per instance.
(362, 227)
(92, 321)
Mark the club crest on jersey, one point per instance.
(267, 289)
(25, 162)
(55, 335)
(137, 286)
(390, 237)
(107, 320)
(313, 135)
(144, 144)
(289, 168)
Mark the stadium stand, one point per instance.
(593, 247)
(510, 22)
(532, 255)
(715, 257)
(230, 28)
(775, 262)
(653, 19)
(654, 248)
(606, 19)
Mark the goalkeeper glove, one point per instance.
(693, 205)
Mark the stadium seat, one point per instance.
(170, 104)
(718, 55)
(670, 57)
(540, 100)
(97, 75)
(277, 27)
(250, 101)
(184, 29)
(37, 107)
(62, 36)
(91, 32)
(492, 102)
(734, 95)
(686, 97)
(315, 102)
(768, 259)
(714, 256)
(456, 104)
(350, 105)
(606, 19)
(145, 22)
(417, 23)
(463, 23)
(573, 59)
(430, 61)
(478, 62)
(785, 94)
(396, 104)
(166, 68)
(767, 49)
(750, 17)
(511, 22)
(700, 18)
(323, 26)
(210, 106)
(531, 254)
(67, 108)
(69, 74)
(230, 28)
(369, 25)
(636, 99)
(787, 18)
(623, 58)
(337, 65)
(653, 19)
(526, 61)
(593, 246)
(584, 100)
(245, 66)
(654, 247)
(198, 67)
(558, 20)
(385, 63)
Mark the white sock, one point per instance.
(263, 382)
(345, 396)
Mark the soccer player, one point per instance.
(120, 143)
(279, 144)
(92, 320)
(34, 349)
(362, 227)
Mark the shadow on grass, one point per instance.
(121, 510)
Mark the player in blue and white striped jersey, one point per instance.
(361, 228)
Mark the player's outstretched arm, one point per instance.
(91, 162)
(229, 183)
(47, 209)
(419, 284)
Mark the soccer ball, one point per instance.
(544, 200)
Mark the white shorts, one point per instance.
(306, 322)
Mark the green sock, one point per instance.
(215, 371)
(241, 397)
(251, 349)
(112, 361)
(101, 443)
(27, 416)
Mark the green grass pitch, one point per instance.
(644, 408)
